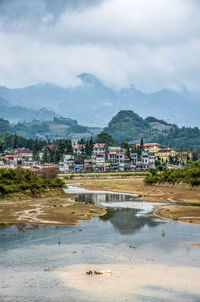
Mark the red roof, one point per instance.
(22, 150)
(98, 145)
(11, 156)
(149, 144)
(99, 154)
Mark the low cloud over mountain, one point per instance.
(94, 104)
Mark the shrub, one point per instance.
(190, 174)
(20, 181)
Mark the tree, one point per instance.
(69, 147)
(142, 145)
(36, 149)
(45, 158)
(125, 146)
(105, 138)
(91, 145)
(15, 141)
(87, 148)
(195, 155)
(81, 141)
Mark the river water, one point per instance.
(152, 259)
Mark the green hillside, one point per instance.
(56, 128)
(130, 127)
(125, 126)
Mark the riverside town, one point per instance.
(89, 156)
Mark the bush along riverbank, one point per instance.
(190, 175)
(20, 181)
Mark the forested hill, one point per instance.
(125, 126)
(53, 129)
(129, 126)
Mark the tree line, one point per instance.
(190, 174)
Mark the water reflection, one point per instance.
(122, 211)
(127, 222)
(103, 197)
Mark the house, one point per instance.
(24, 152)
(99, 148)
(114, 149)
(145, 160)
(152, 147)
(98, 161)
(134, 158)
(163, 155)
(151, 161)
(15, 160)
(79, 167)
(68, 164)
(113, 156)
(88, 164)
(78, 148)
(117, 160)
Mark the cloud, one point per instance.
(152, 44)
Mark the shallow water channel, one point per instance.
(151, 259)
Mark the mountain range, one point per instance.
(17, 113)
(93, 103)
(126, 125)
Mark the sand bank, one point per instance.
(129, 282)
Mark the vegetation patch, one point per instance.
(13, 181)
(189, 174)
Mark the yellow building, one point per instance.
(155, 149)
(164, 155)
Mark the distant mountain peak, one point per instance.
(127, 115)
(89, 79)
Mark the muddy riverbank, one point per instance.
(158, 193)
(53, 208)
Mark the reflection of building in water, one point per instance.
(109, 198)
(126, 221)
(103, 197)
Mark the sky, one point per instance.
(152, 44)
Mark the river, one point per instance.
(151, 259)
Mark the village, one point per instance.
(102, 159)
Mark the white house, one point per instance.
(99, 148)
(68, 164)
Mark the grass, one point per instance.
(69, 176)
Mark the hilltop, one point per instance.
(129, 126)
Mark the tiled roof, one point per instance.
(11, 156)
(149, 144)
(98, 145)
(22, 150)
